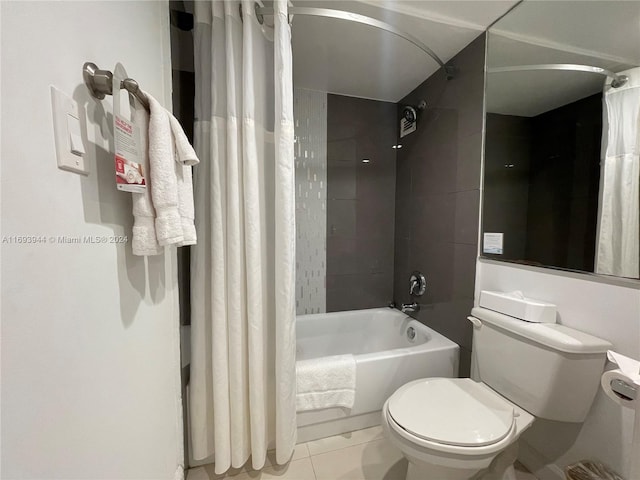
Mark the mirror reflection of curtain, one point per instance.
(618, 248)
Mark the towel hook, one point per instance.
(100, 83)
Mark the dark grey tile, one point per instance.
(508, 125)
(471, 120)
(375, 253)
(404, 216)
(467, 214)
(342, 152)
(350, 117)
(401, 270)
(342, 255)
(376, 179)
(432, 218)
(469, 163)
(341, 181)
(358, 291)
(377, 289)
(375, 144)
(435, 172)
(469, 88)
(464, 270)
(375, 217)
(341, 218)
(464, 367)
(403, 175)
(435, 261)
(448, 98)
(438, 126)
(449, 319)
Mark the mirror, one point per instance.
(561, 145)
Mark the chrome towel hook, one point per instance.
(100, 83)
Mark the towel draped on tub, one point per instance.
(326, 382)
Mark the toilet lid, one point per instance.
(452, 411)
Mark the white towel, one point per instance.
(144, 241)
(164, 214)
(162, 175)
(326, 382)
(185, 157)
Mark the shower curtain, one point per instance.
(242, 382)
(618, 243)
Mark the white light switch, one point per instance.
(75, 136)
(68, 135)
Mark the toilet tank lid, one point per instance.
(557, 337)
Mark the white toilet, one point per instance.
(457, 428)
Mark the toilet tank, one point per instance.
(550, 370)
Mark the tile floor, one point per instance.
(360, 455)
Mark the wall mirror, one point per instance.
(561, 148)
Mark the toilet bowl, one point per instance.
(451, 429)
(459, 428)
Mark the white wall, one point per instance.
(90, 359)
(608, 310)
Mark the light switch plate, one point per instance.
(66, 123)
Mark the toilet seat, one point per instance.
(453, 412)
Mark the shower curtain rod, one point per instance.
(617, 82)
(357, 18)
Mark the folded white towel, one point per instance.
(185, 157)
(144, 241)
(162, 175)
(326, 382)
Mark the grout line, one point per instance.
(313, 468)
(348, 446)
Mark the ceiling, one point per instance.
(351, 59)
(601, 33)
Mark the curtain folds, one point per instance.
(618, 244)
(242, 383)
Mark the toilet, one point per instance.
(462, 428)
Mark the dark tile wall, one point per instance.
(563, 185)
(506, 181)
(360, 202)
(546, 202)
(438, 195)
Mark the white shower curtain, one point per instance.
(242, 383)
(618, 244)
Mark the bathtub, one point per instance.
(386, 358)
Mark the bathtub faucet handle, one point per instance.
(417, 284)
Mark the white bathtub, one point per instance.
(385, 359)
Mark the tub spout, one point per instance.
(410, 307)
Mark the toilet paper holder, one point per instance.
(624, 390)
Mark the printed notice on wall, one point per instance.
(493, 243)
(129, 171)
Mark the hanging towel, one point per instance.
(144, 241)
(185, 157)
(162, 174)
(164, 214)
(326, 382)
